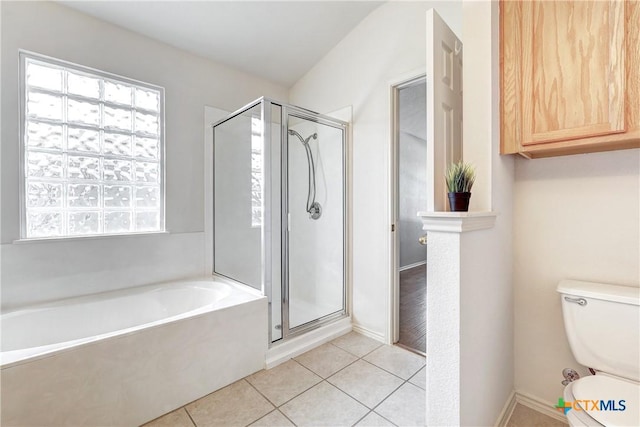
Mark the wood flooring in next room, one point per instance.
(413, 303)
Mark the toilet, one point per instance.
(602, 323)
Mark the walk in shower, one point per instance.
(280, 222)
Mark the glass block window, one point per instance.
(92, 146)
(256, 172)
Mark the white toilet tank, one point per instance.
(602, 323)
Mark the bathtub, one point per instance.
(128, 356)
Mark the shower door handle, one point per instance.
(423, 240)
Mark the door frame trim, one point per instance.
(393, 306)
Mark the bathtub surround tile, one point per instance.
(374, 420)
(396, 360)
(324, 405)
(238, 404)
(356, 344)
(405, 407)
(273, 419)
(284, 382)
(365, 382)
(420, 378)
(326, 360)
(177, 418)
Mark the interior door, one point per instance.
(443, 145)
(444, 106)
(411, 190)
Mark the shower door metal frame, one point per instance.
(301, 113)
(266, 234)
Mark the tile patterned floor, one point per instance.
(523, 416)
(351, 381)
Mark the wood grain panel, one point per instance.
(413, 309)
(573, 69)
(632, 89)
(580, 91)
(510, 70)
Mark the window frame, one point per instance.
(25, 55)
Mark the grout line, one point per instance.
(303, 391)
(362, 418)
(364, 355)
(285, 415)
(342, 369)
(395, 375)
(190, 417)
(384, 418)
(259, 392)
(388, 396)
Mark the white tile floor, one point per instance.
(353, 380)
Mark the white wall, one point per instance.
(389, 43)
(316, 247)
(412, 172)
(40, 271)
(486, 294)
(575, 217)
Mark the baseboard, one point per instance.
(369, 333)
(506, 412)
(540, 405)
(415, 264)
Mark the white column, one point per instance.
(446, 233)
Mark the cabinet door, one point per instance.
(573, 69)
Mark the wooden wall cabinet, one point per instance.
(570, 76)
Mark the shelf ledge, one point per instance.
(457, 222)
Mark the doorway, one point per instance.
(410, 196)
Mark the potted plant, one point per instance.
(459, 177)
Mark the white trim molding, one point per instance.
(457, 222)
(506, 412)
(369, 333)
(538, 405)
(542, 406)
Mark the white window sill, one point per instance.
(83, 238)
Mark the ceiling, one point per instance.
(276, 40)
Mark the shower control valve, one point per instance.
(315, 211)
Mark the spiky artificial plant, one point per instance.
(460, 177)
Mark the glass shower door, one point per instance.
(315, 219)
(238, 193)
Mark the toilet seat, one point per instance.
(604, 387)
(577, 418)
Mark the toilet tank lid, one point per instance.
(602, 291)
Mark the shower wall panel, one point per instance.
(237, 182)
(316, 246)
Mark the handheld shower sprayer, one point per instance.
(313, 208)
